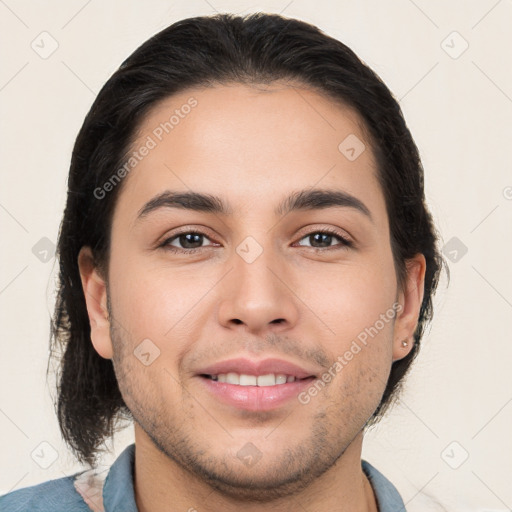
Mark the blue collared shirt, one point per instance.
(60, 495)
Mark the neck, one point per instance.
(159, 482)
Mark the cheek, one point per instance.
(360, 370)
(350, 300)
(154, 303)
(356, 303)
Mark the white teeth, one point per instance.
(242, 379)
(248, 380)
(267, 380)
(232, 378)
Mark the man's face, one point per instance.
(258, 293)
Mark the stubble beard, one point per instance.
(270, 479)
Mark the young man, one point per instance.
(247, 265)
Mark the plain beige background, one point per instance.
(448, 444)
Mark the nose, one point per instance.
(258, 297)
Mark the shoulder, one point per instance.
(52, 496)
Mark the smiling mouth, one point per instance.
(267, 380)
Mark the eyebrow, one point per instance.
(308, 199)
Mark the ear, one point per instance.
(410, 299)
(95, 291)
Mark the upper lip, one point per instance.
(263, 367)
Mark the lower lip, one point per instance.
(256, 398)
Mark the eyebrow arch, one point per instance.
(308, 199)
(186, 200)
(314, 199)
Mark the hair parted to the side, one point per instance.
(206, 51)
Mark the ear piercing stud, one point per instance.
(405, 343)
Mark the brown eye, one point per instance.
(188, 241)
(324, 239)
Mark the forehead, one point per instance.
(250, 145)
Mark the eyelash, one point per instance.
(345, 242)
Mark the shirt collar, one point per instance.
(118, 490)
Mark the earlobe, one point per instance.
(402, 348)
(410, 300)
(95, 293)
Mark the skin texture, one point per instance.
(252, 147)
